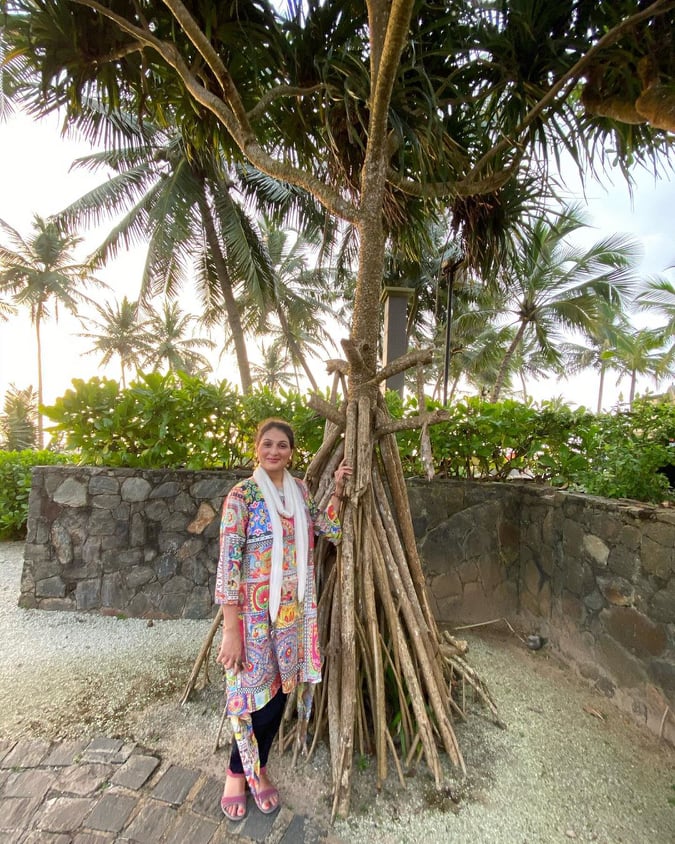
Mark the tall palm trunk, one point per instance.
(231, 308)
(601, 387)
(40, 424)
(296, 351)
(506, 362)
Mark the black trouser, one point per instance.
(266, 723)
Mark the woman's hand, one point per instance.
(231, 652)
(343, 471)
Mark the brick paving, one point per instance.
(100, 791)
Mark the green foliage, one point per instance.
(626, 451)
(614, 455)
(174, 421)
(15, 480)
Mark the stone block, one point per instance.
(626, 671)
(135, 771)
(62, 814)
(65, 753)
(26, 754)
(157, 511)
(105, 502)
(168, 489)
(102, 749)
(50, 587)
(61, 604)
(63, 543)
(151, 823)
(31, 782)
(207, 800)
(662, 672)
(84, 779)
(662, 605)
(211, 487)
(166, 567)
(446, 585)
(175, 785)
(205, 515)
(531, 578)
(596, 551)
(88, 594)
(624, 561)
(104, 485)
(617, 591)
(71, 493)
(16, 813)
(637, 633)
(111, 812)
(136, 489)
(114, 593)
(139, 575)
(658, 558)
(198, 603)
(192, 828)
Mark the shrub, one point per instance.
(15, 480)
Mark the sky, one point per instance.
(35, 178)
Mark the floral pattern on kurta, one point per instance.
(285, 653)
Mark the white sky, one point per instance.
(35, 178)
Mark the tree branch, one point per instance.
(406, 361)
(277, 93)
(410, 423)
(327, 410)
(241, 132)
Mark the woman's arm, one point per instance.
(233, 527)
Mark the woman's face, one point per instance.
(274, 451)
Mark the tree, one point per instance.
(642, 353)
(121, 333)
(549, 285)
(39, 272)
(383, 112)
(302, 296)
(273, 371)
(172, 342)
(658, 296)
(18, 421)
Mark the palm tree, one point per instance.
(550, 285)
(273, 371)
(18, 421)
(181, 200)
(303, 296)
(642, 352)
(171, 342)
(39, 272)
(658, 296)
(121, 333)
(602, 338)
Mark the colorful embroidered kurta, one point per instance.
(287, 652)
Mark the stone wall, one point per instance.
(122, 541)
(595, 577)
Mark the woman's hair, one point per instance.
(272, 422)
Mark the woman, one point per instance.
(265, 584)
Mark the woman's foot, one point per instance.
(233, 801)
(267, 796)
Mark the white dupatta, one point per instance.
(292, 507)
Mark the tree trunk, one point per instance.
(504, 366)
(40, 424)
(601, 387)
(295, 350)
(231, 308)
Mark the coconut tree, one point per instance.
(658, 296)
(41, 274)
(380, 111)
(642, 352)
(171, 341)
(273, 371)
(549, 285)
(121, 333)
(18, 420)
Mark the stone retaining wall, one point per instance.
(595, 577)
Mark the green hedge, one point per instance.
(15, 478)
(179, 421)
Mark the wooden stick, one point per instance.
(203, 653)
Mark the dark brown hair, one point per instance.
(272, 422)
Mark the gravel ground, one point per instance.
(569, 766)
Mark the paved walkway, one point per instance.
(99, 791)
